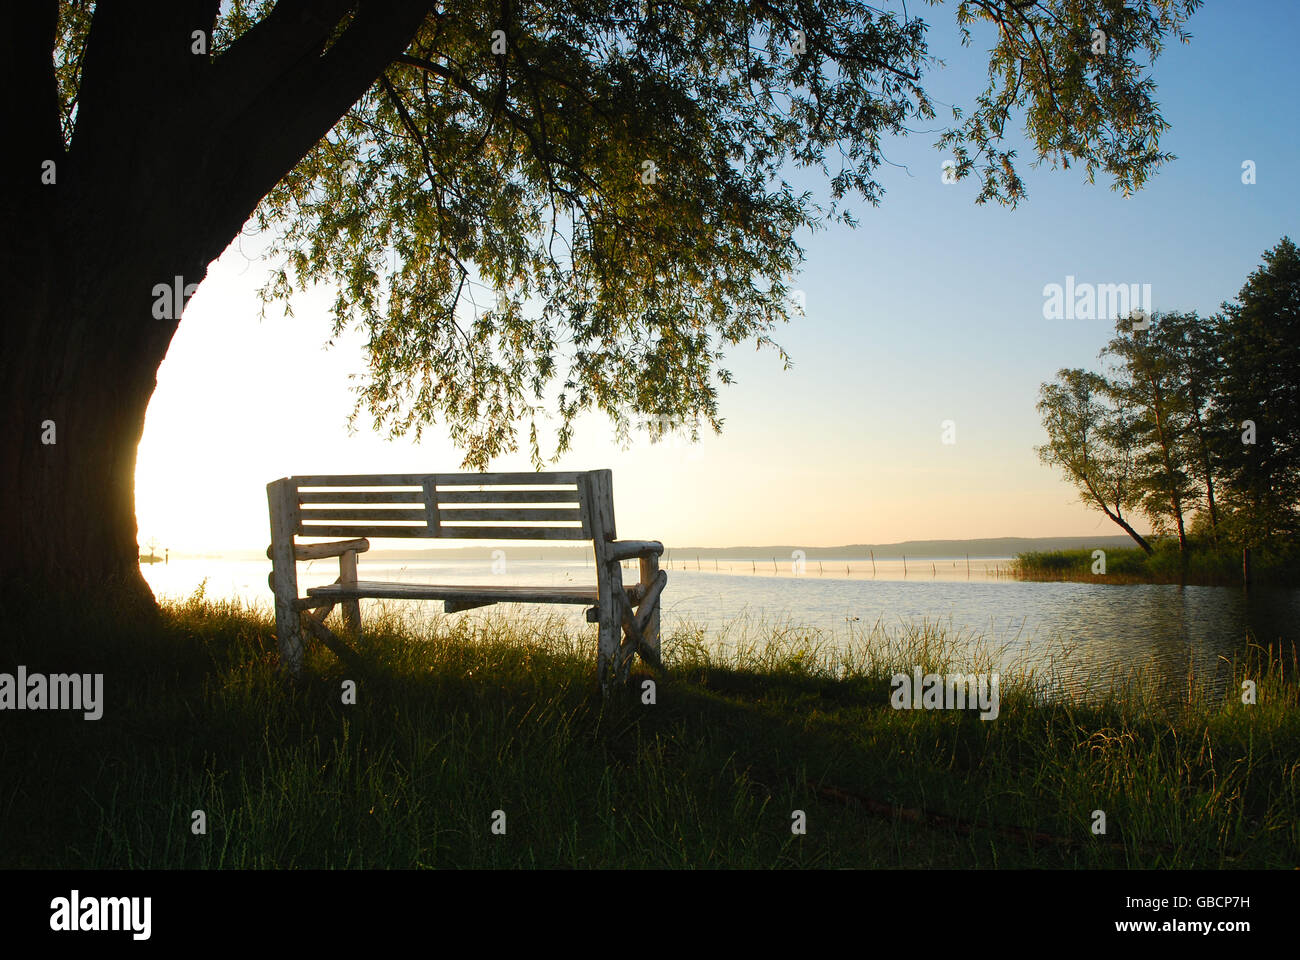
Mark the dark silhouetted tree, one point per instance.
(1258, 398)
(612, 171)
(1094, 437)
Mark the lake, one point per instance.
(1076, 634)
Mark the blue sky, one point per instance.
(931, 310)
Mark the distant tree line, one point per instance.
(1192, 422)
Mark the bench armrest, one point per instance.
(319, 551)
(628, 549)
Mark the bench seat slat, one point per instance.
(382, 590)
(457, 514)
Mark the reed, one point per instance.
(465, 715)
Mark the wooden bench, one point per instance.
(459, 506)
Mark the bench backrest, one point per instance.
(458, 506)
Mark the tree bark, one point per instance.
(1207, 471)
(1137, 537)
(171, 154)
(1118, 518)
(1165, 442)
(79, 369)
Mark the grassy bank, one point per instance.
(1205, 566)
(473, 716)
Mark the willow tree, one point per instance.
(612, 170)
(1147, 369)
(1094, 436)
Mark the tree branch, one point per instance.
(262, 142)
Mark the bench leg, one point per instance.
(288, 631)
(626, 651)
(611, 628)
(351, 608)
(282, 499)
(650, 651)
(631, 640)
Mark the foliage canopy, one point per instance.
(586, 204)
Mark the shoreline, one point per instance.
(452, 724)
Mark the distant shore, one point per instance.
(1126, 565)
(982, 549)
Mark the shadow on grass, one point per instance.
(474, 726)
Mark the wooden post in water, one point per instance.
(873, 562)
(774, 564)
(934, 571)
(968, 566)
(904, 564)
(819, 568)
(753, 566)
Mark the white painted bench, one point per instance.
(459, 506)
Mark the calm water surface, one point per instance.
(1073, 634)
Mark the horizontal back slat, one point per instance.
(568, 478)
(508, 496)
(362, 480)
(354, 513)
(511, 533)
(462, 510)
(453, 533)
(368, 530)
(508, 513)
(454, 506)
(362, 496)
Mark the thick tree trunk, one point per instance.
(82, 350)
(171, 154)
(74, 526)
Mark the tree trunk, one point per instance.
(1207, 471)
(81, 353)
(171, 154)
(1165, 441)
(1137, 537)
(1118, 518)
(74, 529)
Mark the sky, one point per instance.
(930, 311)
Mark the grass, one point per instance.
(467, 716)
(1206, 566)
